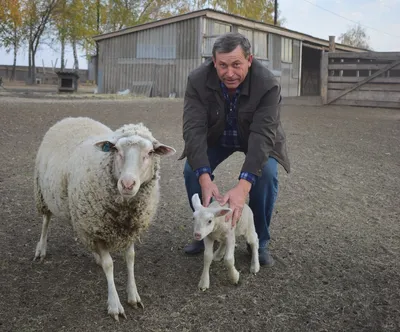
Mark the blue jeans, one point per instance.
(262, 194)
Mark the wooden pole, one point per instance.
(324, 77)
(276, 12)
(331, 43)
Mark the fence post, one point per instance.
(324, 77)
(332, 46)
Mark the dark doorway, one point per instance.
(310, 71)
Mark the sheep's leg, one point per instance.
(133, 295)
(220, 252)
(114, 305)
(42, 244)
(230, 258)
(97, 258)
(204, 283)
(252, 240)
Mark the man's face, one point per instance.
(232, 67)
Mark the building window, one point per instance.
(158, 43)
(260, 45)
(213, 29)
(248, 33)
(286, 50)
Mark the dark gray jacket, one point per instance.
(258, 114)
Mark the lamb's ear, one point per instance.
(162, 149)
(105, 145)
(219, 212)
(196, 202)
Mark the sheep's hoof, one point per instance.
(136, 304)
(39, 257)
(255, 269)
(116, 315)
(40, 253)
(116, 311)
(235, 278)
(203, 286)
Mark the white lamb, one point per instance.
(210, 226)
(106, 183)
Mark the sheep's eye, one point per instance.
(148, 155)
(107, 146)
(209, 222)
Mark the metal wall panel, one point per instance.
(275, 44)
(161, 57)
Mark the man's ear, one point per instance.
(214, 61)
(250, 60)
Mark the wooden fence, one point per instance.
(361, 79)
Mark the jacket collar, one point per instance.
(213, 81)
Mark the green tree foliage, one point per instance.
(260, 10)
(12, 28)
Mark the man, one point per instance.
(232, 103)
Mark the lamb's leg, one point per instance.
(114, 305)
(133, 295)
(230, 258)
(42, 244)
(252, 240)
(204, 283)
(220, 252)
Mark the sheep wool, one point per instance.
(75, 181)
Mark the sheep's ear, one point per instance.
(196, 202)
(105, 146)
(219, 212)
(162, 149)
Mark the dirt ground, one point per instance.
(335, 232)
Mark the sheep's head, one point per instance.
(204, 217)
(134, 158)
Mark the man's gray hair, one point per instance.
(227, 42)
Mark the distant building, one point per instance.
(44, 75)
(155, 58)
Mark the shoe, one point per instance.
(264, 256)
(194, 248)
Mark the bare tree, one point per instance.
(355, 36)
(38, 16)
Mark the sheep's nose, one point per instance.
(127, 184)
(197, 235)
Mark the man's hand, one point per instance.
(236, 198)
(208, 189)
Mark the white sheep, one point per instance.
(210, 226)
(106, 183)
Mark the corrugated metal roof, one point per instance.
(231, 19)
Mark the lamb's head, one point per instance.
(134, 158)
(204, 217)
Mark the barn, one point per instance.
(154, 59)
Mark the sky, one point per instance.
(318, 18)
